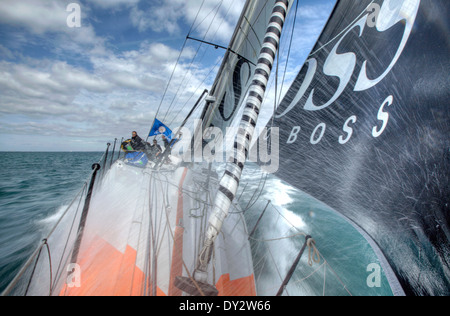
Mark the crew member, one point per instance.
(136, 142)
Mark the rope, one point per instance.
(50, 266)
(178, 60)
(279, 238)
(172, 233)
(44, 243)
(288, 55)
(311, 244)
(313, 253)
(35, 256)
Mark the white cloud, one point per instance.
(35, 15)
(119, 90)
(5, 52)
(46, 22)
(171, 15)
(107, 4)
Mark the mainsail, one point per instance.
(238, 66)
(365, 129)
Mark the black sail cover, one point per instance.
(364, 128)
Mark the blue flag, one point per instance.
(160, 129)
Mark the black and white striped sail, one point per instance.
(365, 128)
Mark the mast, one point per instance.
(230, 180)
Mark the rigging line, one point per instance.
(343, 31)
(58, 275)
(195, 20)
(30, 260)
(165, 207)
(289, 51)
(192, 61)
(276, 268)
(324, 278)
(138, 219)
(279, 238)
(311, 274)
(281, 215)
(178, 60)
(212, 68)
(336, 275)
(175, 185)
(254, 32)
(320, 255)
(146, 255)
(261, 269)
(204, 53)
(34, 269)
(260, 191)
(225, 18)
(196, 91)
(207, 15)
(148, 250)
(193, 58)
(171, 76)
(206, 77)
(182, 260)
(181, 84)
(160, 224)
(158, 229)
(50, 266)
(151, 238)
(165, 198)
(252, 200)
(164, 210)
(44, 243)
(251, 27)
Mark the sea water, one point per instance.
(348, 264)
(35, 187)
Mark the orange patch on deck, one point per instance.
(240, 287)
(106, 271)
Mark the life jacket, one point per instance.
(126, 146)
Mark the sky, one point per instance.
(74, 87)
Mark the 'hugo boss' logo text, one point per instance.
(342, 66)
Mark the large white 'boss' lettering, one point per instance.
(342, 65)
(322, 127)
(382, 116)
(293, 136)
(387, 18)
(348, 130)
